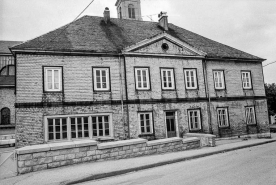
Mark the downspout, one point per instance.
(126, 93)
(121, 87)
(208, 95)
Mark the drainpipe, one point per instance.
(126, 94)
(208, 95)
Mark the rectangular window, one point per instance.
(222, 117)
(145, 120)
(219, 80)
(52, 78)
(167, 76)
(142, 78)
(101, 126)
(250, 115)
(246, 80)
(101, 79)
(194, 119)
(190, 78)
(78, 127)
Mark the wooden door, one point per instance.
(171, 126)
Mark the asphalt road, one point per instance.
(249, 166)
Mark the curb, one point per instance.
(121, 172)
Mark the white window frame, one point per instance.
(68, 118)
(151, 122)
(131, 11)
(166, 70)
(246, 80)
(188, 78)
(142, 80)
(220, 116)
(219, 74)
(193, 119)
(250, 111)
(48, 70)
(101, 69)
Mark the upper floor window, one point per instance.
(8, 70)
(145, 120)
(219, 79)
(142, 78)
(120, 13)
(131, 11)
(101, 79)
(167, 76)
(222, 117)
(250, 115)
(194, 120)
(246, 80)
(190, 78)
(53, 79)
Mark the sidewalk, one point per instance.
(89, 171)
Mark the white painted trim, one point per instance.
(172, 78)
(147, 78)
(195, 78)
(221, 78)
(151, 123)
(163, 55)
(164, 36)
(69, 136)
(199, 117)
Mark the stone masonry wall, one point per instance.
(233, 81)
(7, 99)
(77, 78)
(156, 91)
(237, 117)
(30, 121)
(41, 157)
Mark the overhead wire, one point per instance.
(43, 46)
(269, 63)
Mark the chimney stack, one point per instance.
(163, 20)
(106, 15)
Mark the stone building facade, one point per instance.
(114, 79)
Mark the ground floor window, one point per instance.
(250, 115)
(145, 120)
(5, 116)
(194, 120)
(222, 117)
(78, 127)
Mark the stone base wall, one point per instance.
(47, 156)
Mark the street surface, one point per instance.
(254, 166)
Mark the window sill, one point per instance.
(49, 92)
(102, 91)
(226, 127)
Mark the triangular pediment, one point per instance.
(164, 44)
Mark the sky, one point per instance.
(248, 25)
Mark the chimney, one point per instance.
(106, 15)
(163, 20)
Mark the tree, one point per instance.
(270, 90)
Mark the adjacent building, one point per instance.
(119, 78)
(7, 85)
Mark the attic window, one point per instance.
(165, 46)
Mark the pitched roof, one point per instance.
(7, 81)
(92, 34)
(4, 46)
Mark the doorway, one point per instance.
(171, 125)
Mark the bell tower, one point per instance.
(129, 9)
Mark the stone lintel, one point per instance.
(199, 135)
(33, 149)
(82, 143)
(190, 139)
(121, 143)
(164, 141)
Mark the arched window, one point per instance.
(120, 12)
(8, 70)
(131, 11)
(5, 116)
